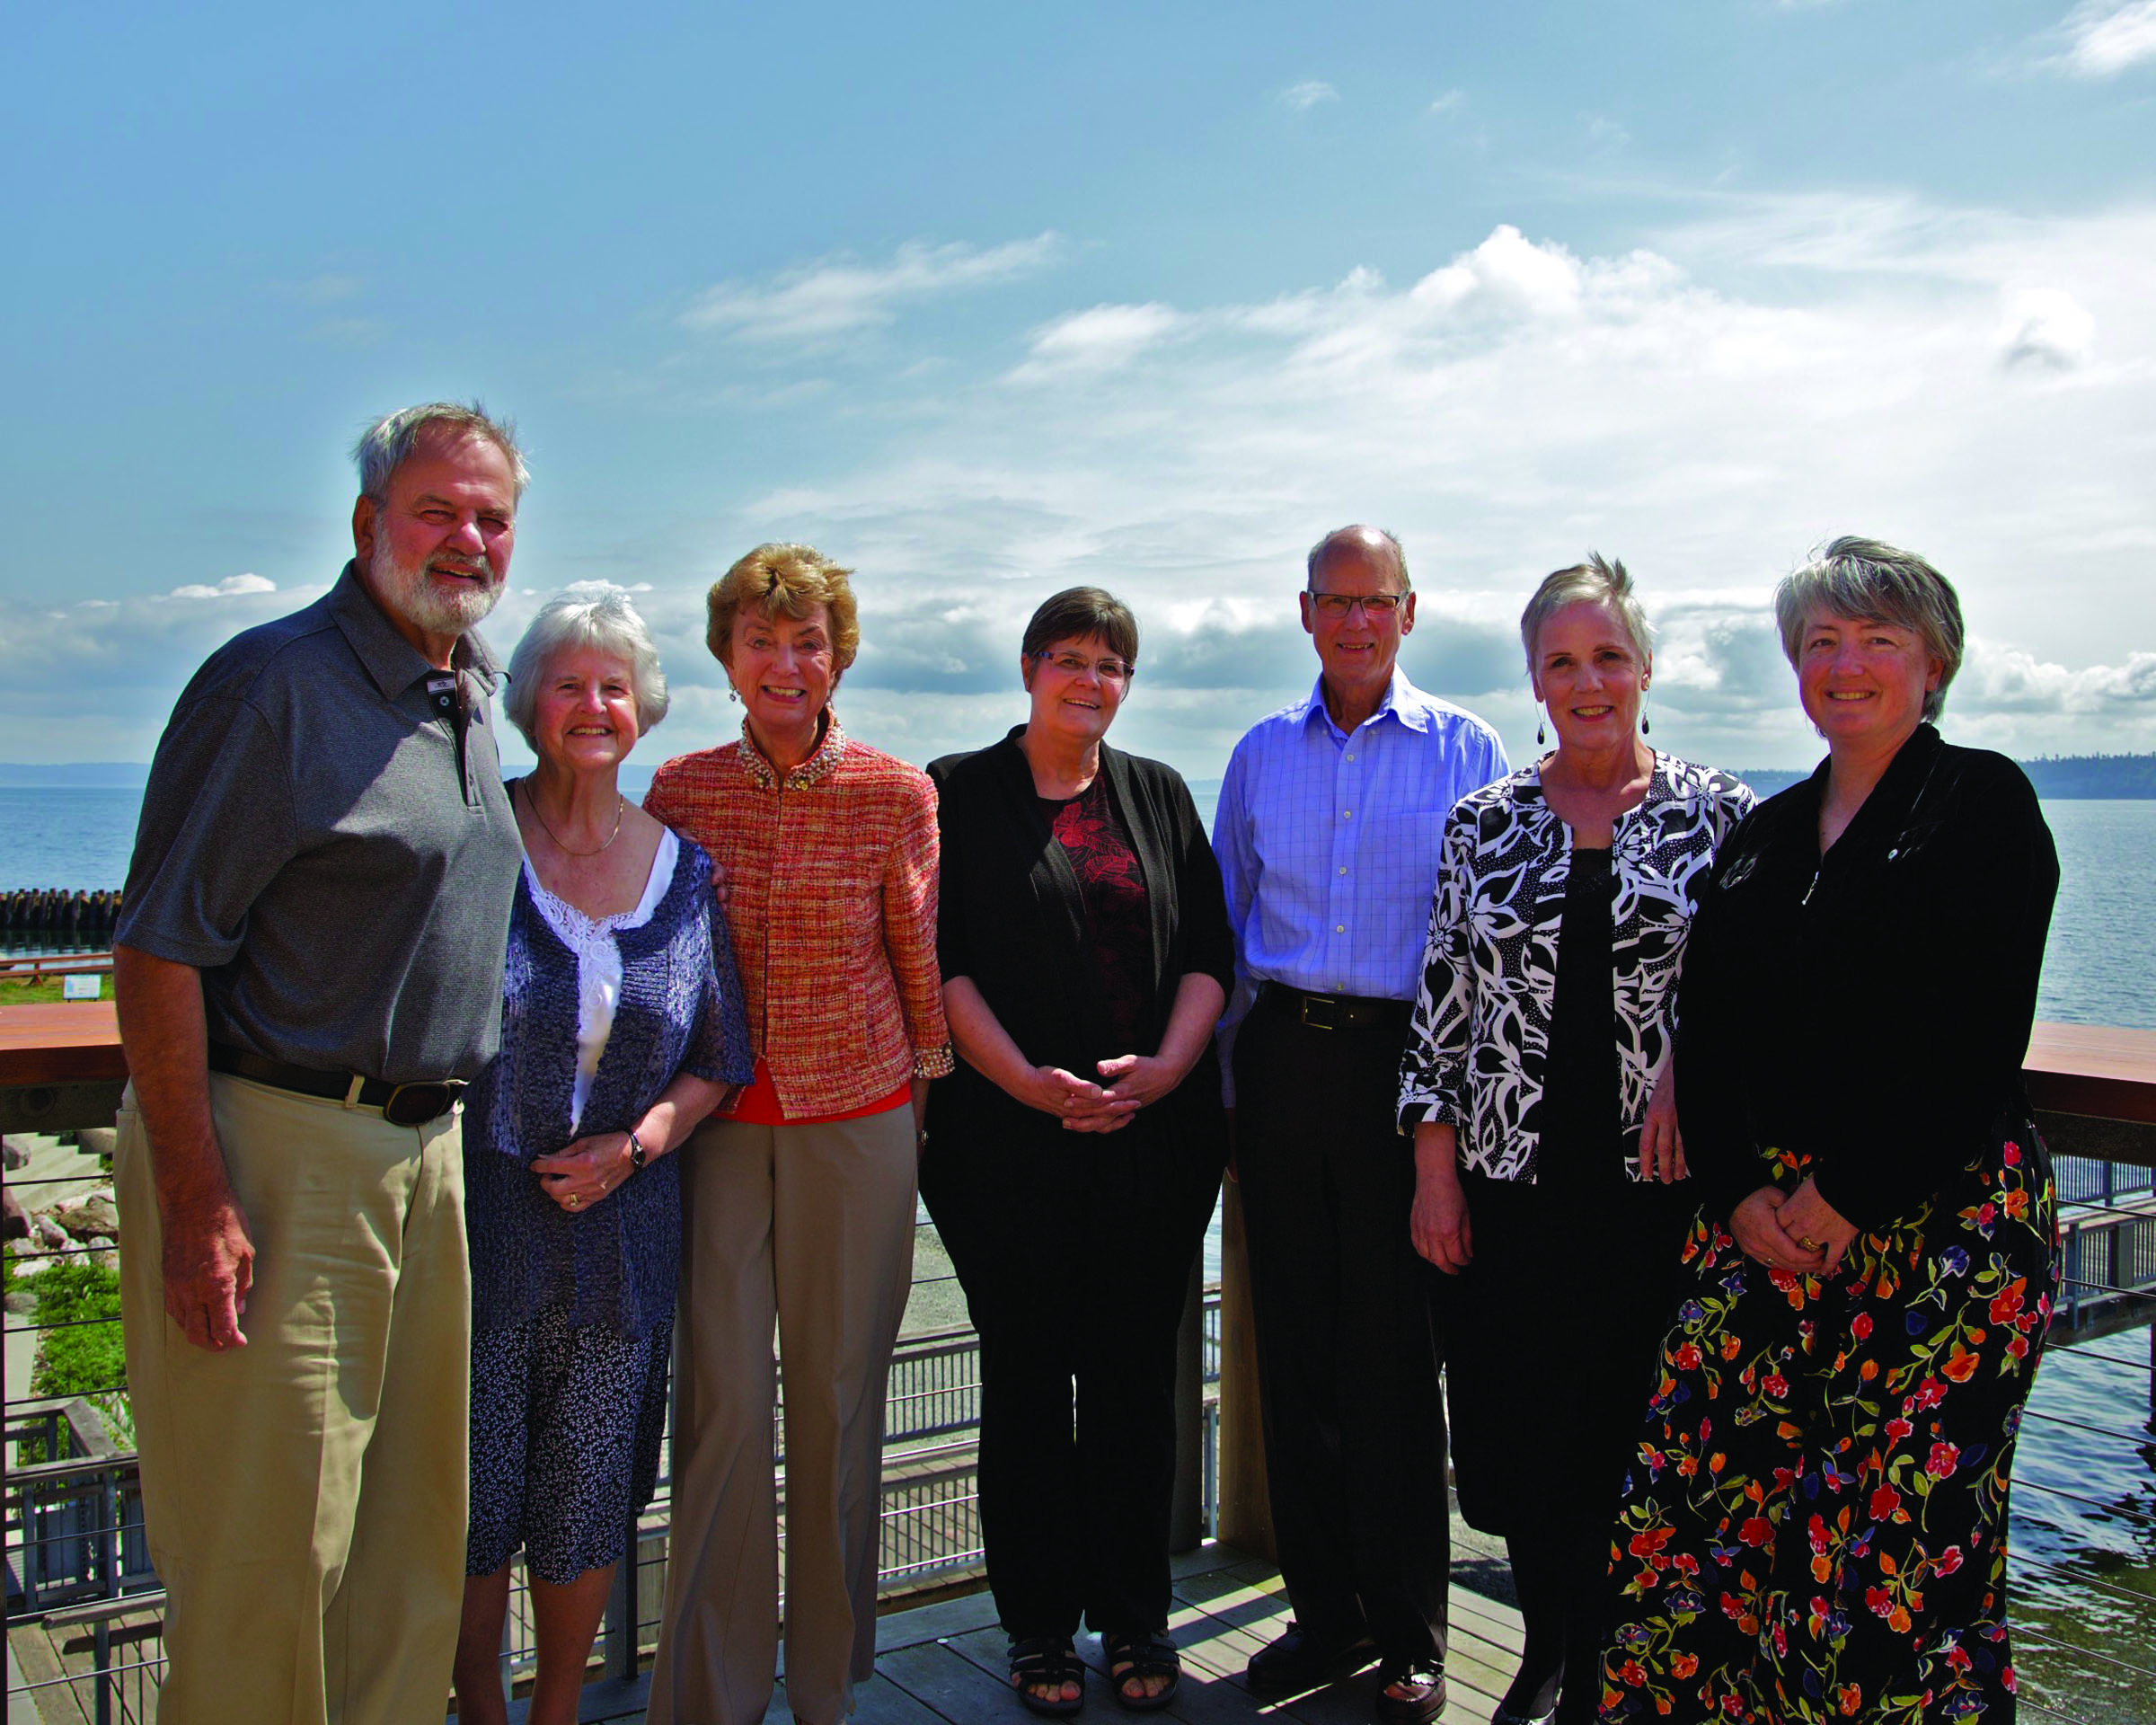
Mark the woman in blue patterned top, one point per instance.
(1549, 1174)
(621, 1029)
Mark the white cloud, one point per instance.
(1610, 134)
(1301, 98)
(837, 296)
(1102, 338)
(1707, 402)
(1447, 101)
(2043, 326)
(231, 587)
(2105, 38)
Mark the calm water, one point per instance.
(2085, 1551)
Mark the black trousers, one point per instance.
(1348, 1348)
(1074, 1251)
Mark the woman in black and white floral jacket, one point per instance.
(1550, 1176)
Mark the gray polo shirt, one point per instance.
(326, 838)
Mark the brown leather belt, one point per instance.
(401, 1104)
(1336, 1011)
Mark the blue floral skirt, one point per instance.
(1814, 1525)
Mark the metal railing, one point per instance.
(79, 1567)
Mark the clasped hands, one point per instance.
(581, 1173)
(1797, 1231)
(1128, 1083)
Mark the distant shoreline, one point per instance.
(2063, 778)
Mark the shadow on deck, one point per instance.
(944, 1662)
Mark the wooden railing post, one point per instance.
(1246, 1513)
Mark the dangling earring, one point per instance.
(1541, 736)
(1646, 724)
(732, 694)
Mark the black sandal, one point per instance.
(1141, 1656)
(1052, 1661)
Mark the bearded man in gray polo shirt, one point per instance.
(308, 968)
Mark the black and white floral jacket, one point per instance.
(1476, 1054)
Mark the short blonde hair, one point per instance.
(1599, 581)
(784, 581)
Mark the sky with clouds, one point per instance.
(990, 300)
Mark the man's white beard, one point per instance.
(409, 591)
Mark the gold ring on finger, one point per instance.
(574, 1200)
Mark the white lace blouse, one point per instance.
(598, 960)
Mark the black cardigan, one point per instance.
(1873, 1009)
(1012, 919)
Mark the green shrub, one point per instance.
(87, 1359)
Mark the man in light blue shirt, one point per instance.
(1328, 829)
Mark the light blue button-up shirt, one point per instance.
(1329, 842)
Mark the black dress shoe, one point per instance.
(1300, 1659)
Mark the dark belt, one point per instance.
(401, 1104)
(1336, 1011)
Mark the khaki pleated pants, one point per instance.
(305, 1494)
(810, 1226)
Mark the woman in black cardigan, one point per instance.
(1074, 1155)
(1815, 1524)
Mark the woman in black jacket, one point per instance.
(1815, 1524)
(1074, 1155)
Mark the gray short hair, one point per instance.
(386, 444)
(585, 613)
(1868, 580)
(1599, 581)
(1355, 535)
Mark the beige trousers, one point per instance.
(813, 1226)
(305, 1494)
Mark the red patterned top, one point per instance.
(831, 897)
(1112, 888)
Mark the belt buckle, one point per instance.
(445, 1092)
(1324, 1020)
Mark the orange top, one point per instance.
(831, 898)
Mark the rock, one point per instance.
(49, 1235)
(17, 1150)
(98, 1140)
(17, 1225)
(22, 1304)
(94, 1215)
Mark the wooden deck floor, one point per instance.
(942, 1664)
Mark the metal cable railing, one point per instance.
(80, 1573)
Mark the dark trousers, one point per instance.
(1347, 1350)
(1074, 1251)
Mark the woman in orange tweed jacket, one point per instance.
(800, 1202)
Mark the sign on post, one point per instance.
(79, 987)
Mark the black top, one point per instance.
(1012, 917)
(1581, 1133)
(1871, 1010)
(325, 837)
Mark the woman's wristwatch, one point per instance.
(637, 1153)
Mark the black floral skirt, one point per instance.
(1814, 1525)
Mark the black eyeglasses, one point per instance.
(1109, 671)
(1375, 605)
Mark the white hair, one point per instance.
(387, 445)
(585, 613)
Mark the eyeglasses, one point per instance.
(1375, 605)
(1109, 671)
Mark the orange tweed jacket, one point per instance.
(831, 898)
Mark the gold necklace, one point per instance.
(621, 808)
